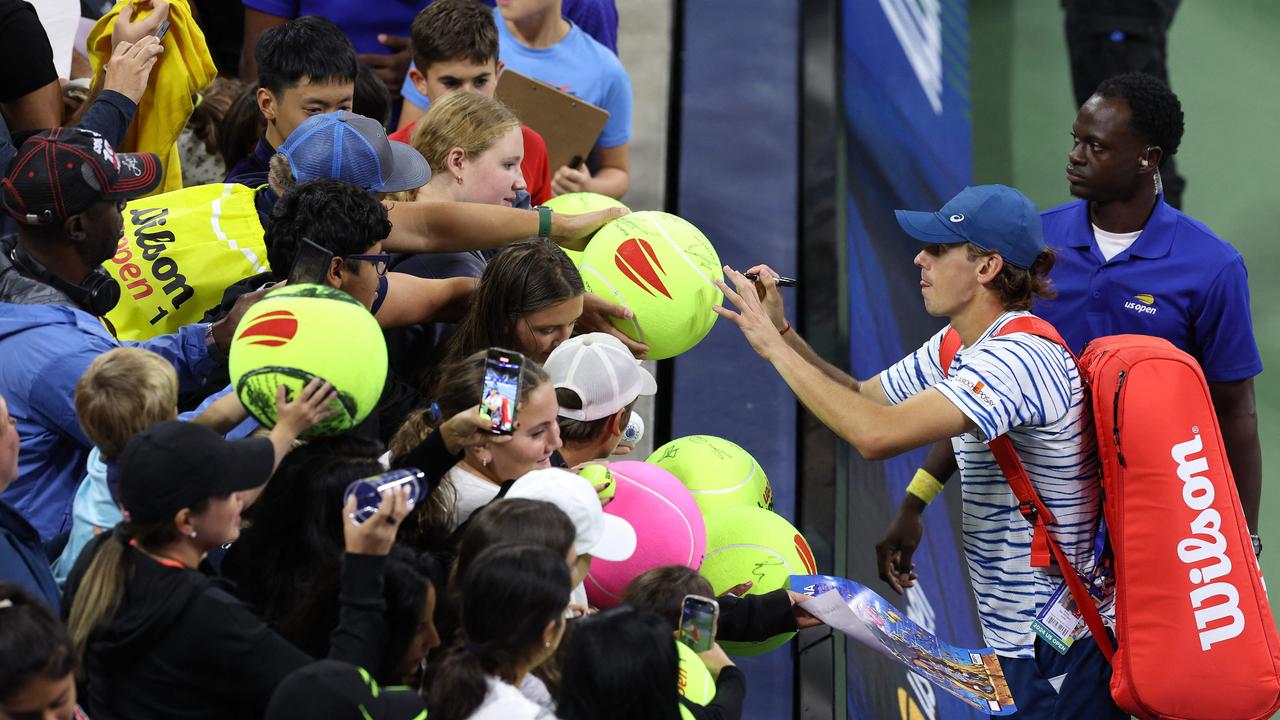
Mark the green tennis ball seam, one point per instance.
(724, 491)
(635, 318)
(251, 403)
(679, 250)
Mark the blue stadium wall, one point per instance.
(759, 166)
(735, 140)
(905, 96)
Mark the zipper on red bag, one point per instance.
(1115, 415)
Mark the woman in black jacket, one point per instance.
(157, 637)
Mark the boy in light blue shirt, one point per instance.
(124, 392)
(534, 40)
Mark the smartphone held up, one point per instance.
(501, 392)
(698, 618)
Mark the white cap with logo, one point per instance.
(601, 535)
(602, 371)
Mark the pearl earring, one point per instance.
(193, 534)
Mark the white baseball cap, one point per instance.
(602, 371)
(601, 535)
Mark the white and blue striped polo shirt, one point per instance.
(1028, 388)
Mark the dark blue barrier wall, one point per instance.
(906, 100)
(737, 179)
(903, 86)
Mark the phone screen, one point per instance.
(698, 622)
(501, 390)
(162, 30)
(310, 264)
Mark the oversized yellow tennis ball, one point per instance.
(581, 202)
(576, 204)
(750, 543)
(718, 473)
(693, 680)
(303, 331)
(600, 475)
(661, 268)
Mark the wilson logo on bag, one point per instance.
(1206, 543)
(1195, 638)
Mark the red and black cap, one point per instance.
(61, 172)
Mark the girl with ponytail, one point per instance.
(513, 606)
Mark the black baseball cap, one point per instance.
(174, 465)
(60, 172)
(332, 690)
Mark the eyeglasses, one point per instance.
(379, 261)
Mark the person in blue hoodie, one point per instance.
(22, 558)
(66, 188)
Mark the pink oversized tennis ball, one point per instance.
(668, 524)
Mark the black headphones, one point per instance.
(97, 294)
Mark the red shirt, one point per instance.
(535, 166)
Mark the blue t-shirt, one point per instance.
(1177, 281)
(361, 21)
(578, 65)
(581, 67)
(597, 18)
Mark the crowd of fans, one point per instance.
(148, 569)
(162, 555)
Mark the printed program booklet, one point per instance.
(973, 675)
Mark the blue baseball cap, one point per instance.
(993, 217)
(344, 146)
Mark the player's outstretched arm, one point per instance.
(876, 431)
(771, 299)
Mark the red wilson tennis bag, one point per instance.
(1195, 635)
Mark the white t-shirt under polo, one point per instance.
(1112, 244)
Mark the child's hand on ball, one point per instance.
(470, 429)
(311, 407)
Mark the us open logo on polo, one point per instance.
(1144, 306)
(271, 330)
(1206, 548)
(637, 260)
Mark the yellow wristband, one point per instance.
(924, 486)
